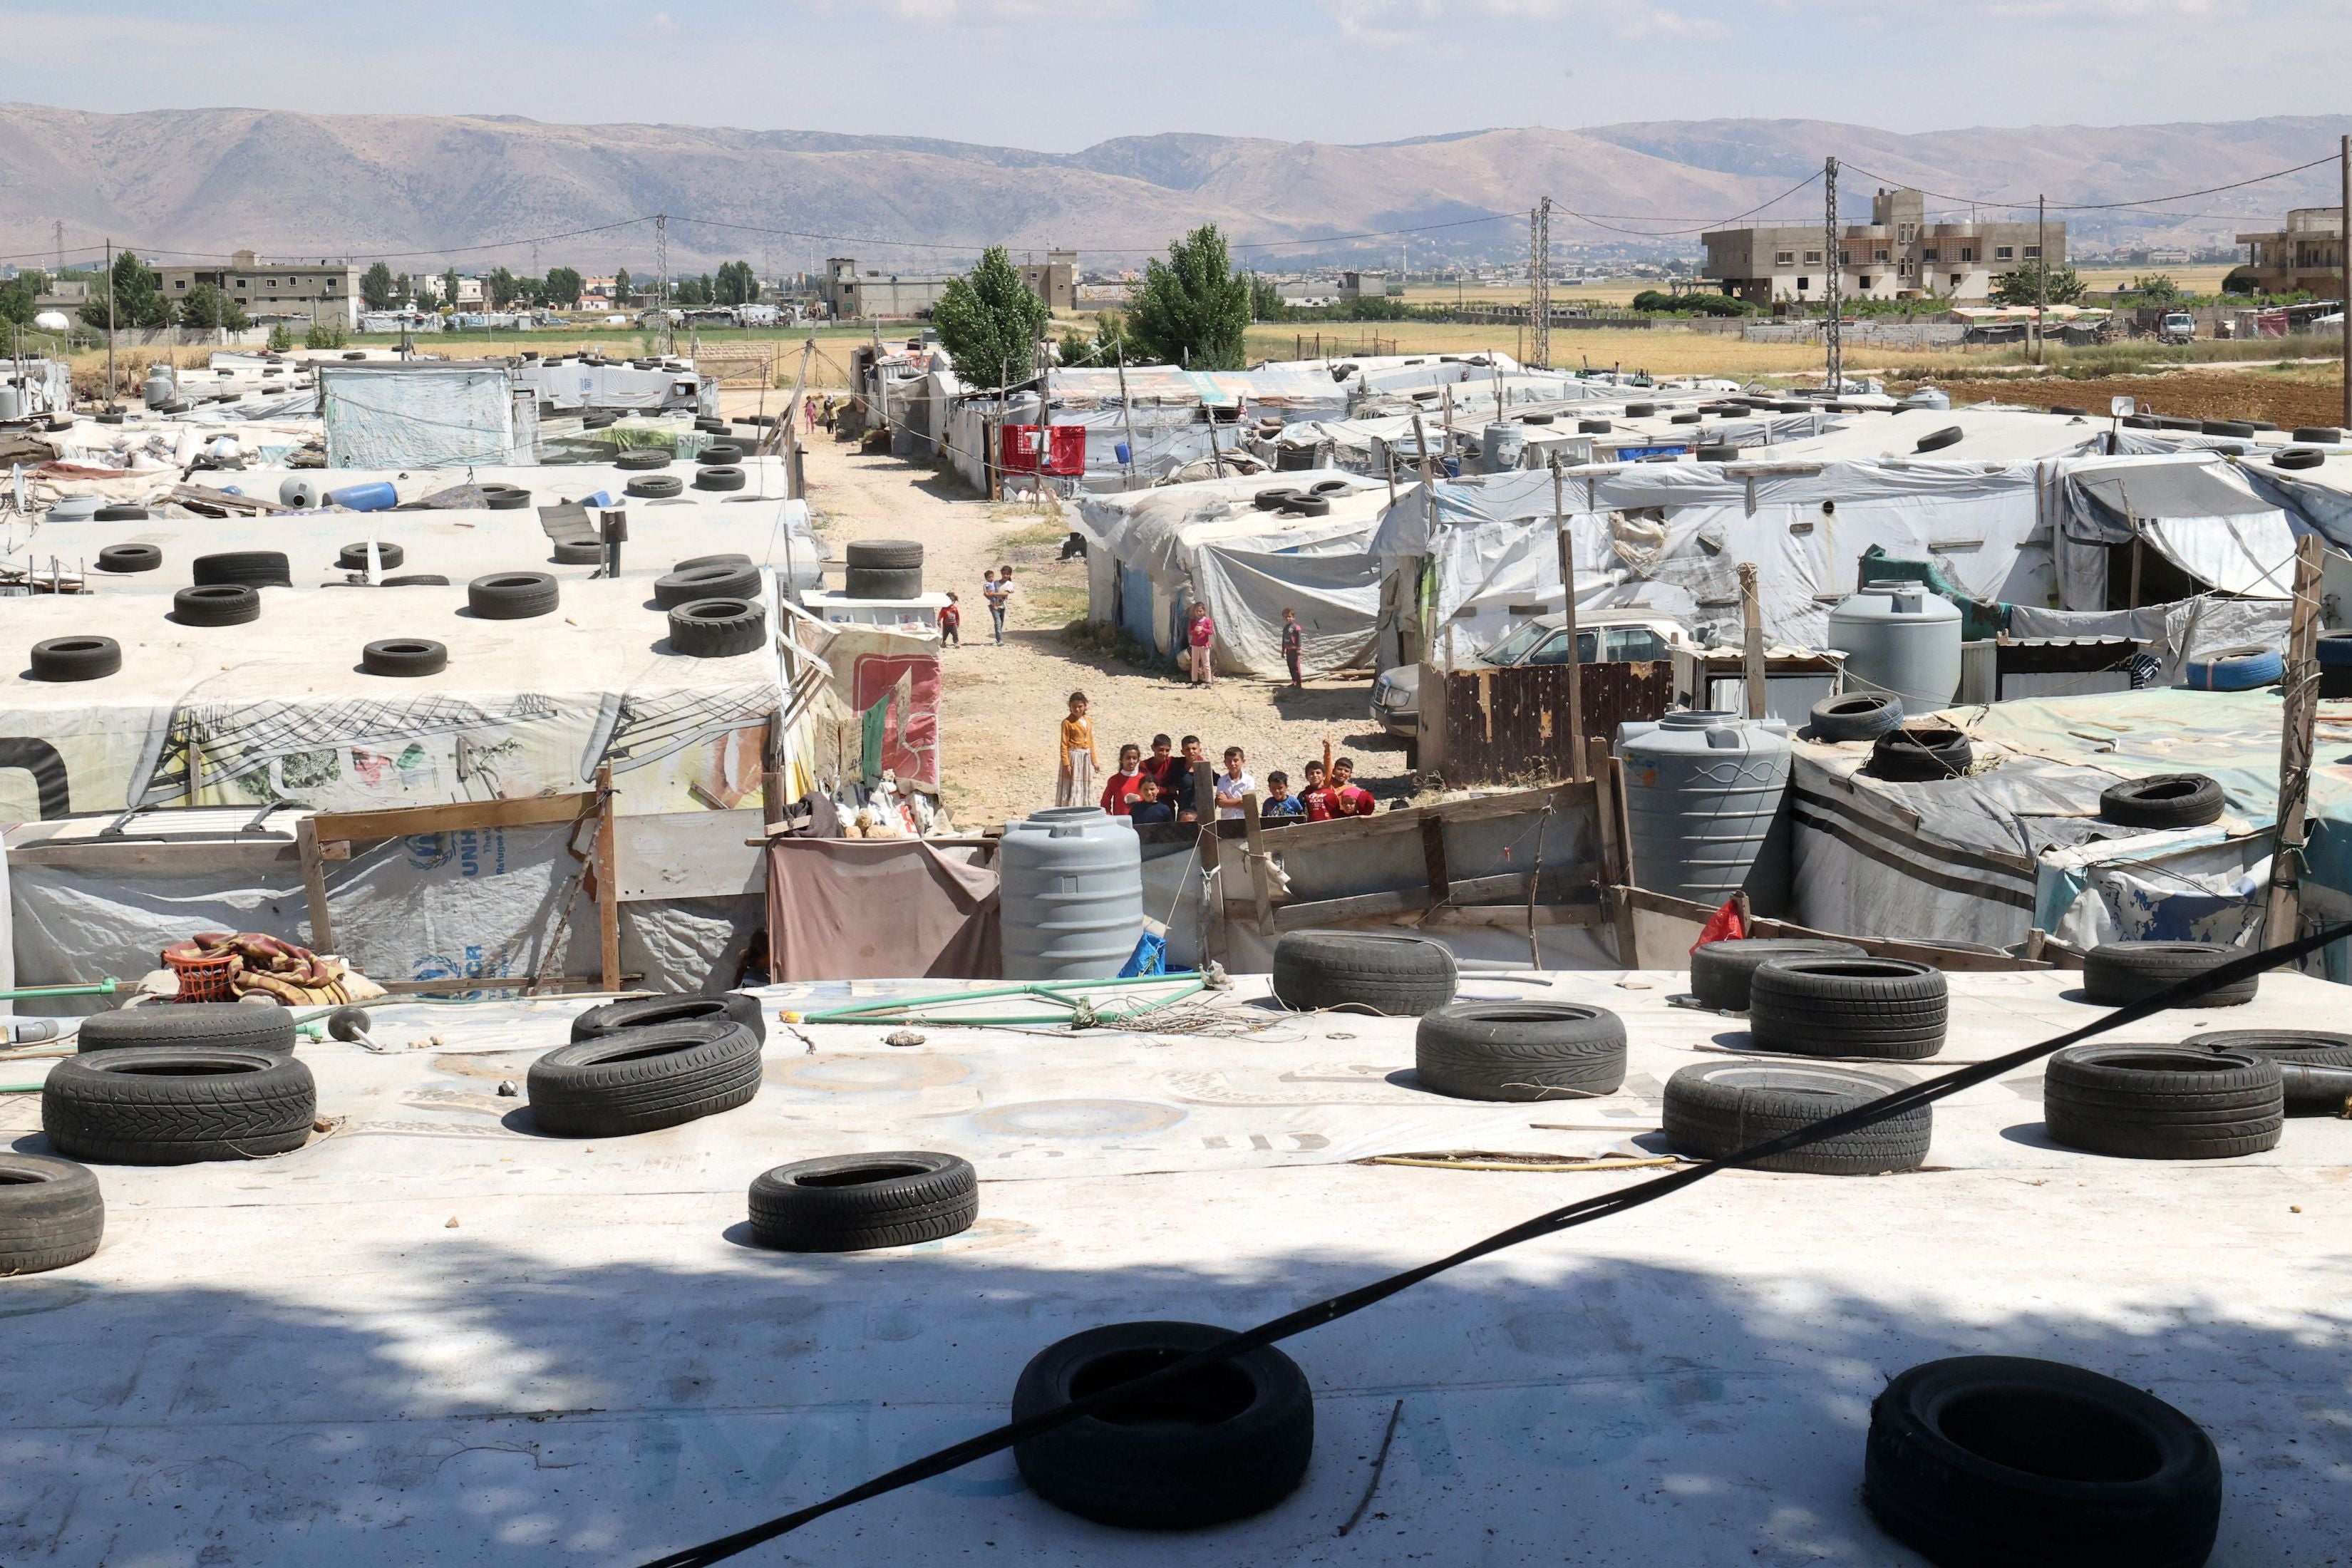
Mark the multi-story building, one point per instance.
(903, 294)
(2306, 256)
(1898, 255)
(1057, 282)
(327, 292)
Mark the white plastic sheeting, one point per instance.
(425, 415)
(2195, 509)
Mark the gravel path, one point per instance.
(999, 706)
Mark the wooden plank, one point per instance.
(1478, 809)
(1261, 877)
(1616, 852)
(1433, 860)
(686, 855)
(314, 885)
(226, 855)
(2283, 915)
(1212, 940)
(1507, 893)
(608, 901)
(407, 821)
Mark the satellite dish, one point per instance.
(52, 322)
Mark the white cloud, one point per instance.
(1391, 21)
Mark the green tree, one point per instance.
(503, 287)
(375, 288)
(1193, 309)
(1266, 302)
(563, 286)
(137, 293)
(1076, 348)
(2159, 286)
(621, 283)
(18, 303)
(736, 284)
(280, 340)
(990, 321)
(449, 288)
(322, 336)
(402, 291)
(2022, 286)
(207, 307)
(427, 299)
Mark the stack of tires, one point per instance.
(643, 1065)
(883, 569)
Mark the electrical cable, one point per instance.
(2095, 206)
(1582, 1212)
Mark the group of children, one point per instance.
(1165, 786)
(997, 588)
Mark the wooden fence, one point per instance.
(1489, 725)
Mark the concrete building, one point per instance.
(1057, 282)
(324, 291)
(1898, 255)
(1374, 285)
(878, 294)
(2306, 256)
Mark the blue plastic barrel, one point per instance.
(377, 497)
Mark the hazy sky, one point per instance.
(1057, 77)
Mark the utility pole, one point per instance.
(661, 285)
(1539, 283)
(1565, 543)
(2344, 258)
(2041, 275)
(57, 233)
(106, 404)
(1832, 335)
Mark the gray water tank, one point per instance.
(1903, 639)
(1499, 447)
(162, 386)
(12, 401)
(1071, 882)
(1705, 805)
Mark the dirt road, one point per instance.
(999, 706)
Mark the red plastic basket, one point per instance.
(205, 979)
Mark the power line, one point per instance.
(2100, 207)
(1698, 228)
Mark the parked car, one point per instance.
(2178, 327)
(1602, 637)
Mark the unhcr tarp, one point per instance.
(389, 415)
(1152, 553)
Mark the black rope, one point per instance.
(1583, 1211)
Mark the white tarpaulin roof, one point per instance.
(421, 416)
(2195, 507)
(1987, 435)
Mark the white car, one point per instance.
(1602, 637)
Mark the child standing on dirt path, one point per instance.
(1293, 640)
(1075, 786)
(950, 622)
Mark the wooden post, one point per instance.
(314, 885)
(608, 889)
(2301, 709)
(1261, 882)
(771, 779)
(1567, 544)
(1617, 869)
(1213, 928)
(1752, 657)
(2137, 547)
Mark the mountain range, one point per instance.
(428, 191)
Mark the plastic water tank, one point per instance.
(1704, 792)
(1903, 639)
(1071, 882)
(162, 386)
(12, 401)
(1500, 446)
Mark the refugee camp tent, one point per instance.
(2195, 510)
(1152, 553)
(426, 415)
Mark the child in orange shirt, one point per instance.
(1075, 784)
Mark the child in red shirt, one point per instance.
(950, 622)
(1347, 797)
(1120, 791)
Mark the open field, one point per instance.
(2204, 279)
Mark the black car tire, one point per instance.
(238, 1026)
(883, 582)
(354, 557)
(720, 453)
(1886, 1007)
(888, 553)
(178, 1105)
(416, 580)
(1379, 971)
(717, 628)
(726, 477)
(639, 458)
(2297, 457)
(2301, 1047)
(2162, 800)
(655, 487)
(2117, 974)
(1720, 970)
(1520, 1050)
(130, 558)
(1920, 754)
(1717, 452)
(1936, 440)
(2162, 1103)
(513, 596)
(505, 498)
(1273, 499)
(121, 511)
(246, 568)
(52, 1214)
(693, 562)
(2318, 435)
(406, 657)
(1307, 506)
(1857, 716)
(1716, 1109)
(1225, 1443)
(854, 1203)
(639, 1080)
(75, 658)
(1987, 1461)
(643, 1011)
(216, 605)
(718, 581)
(578, 553)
